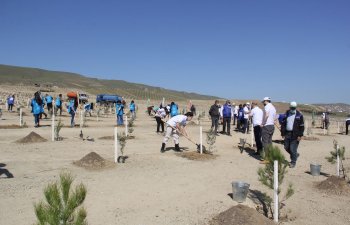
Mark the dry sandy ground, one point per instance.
(154, 188)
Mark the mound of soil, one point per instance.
(106, 138)
(334, 185)
(240, 215)
(12, 126)
(93, 161)
(196, 156)
(31, 138)
(311, 138)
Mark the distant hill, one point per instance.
(336, 107)
(13, 75)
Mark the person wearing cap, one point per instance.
(226, 113)
(176, 125)
(257, 117)
(292, 130)
(246, 111)
(268, 124)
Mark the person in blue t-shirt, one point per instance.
(58, 104)
(173, 109)
(72, 108)
(119, 110)
(132, 109)
(49, 99)
(36, 104)
(10, 102)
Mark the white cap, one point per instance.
(267, 99)
(293, 104)
(248, 103)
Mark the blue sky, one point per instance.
(286, 49)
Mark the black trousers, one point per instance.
(257, 136)
(215, 122)
(347, 126)
(160, 123)
(226, 122)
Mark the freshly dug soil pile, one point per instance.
(334, 185)
(311, 138)
(196, 156)
(240, 215)
(31, 138)
(106, 138)
(12, 126)
(93, 161)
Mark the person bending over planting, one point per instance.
(175, 126)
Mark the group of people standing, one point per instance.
(119, 111)
(263, 120)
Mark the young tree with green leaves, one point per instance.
(63, 205)
(338, 151)
(266, 177)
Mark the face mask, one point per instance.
(293, 111)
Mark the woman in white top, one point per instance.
(175, 126)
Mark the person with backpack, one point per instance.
(176, 126)
(226, 113)
(292, 130)
(36, 104)
(72, 109)
(49, 99)
(58, 104)
(214, 113)
(132, 108)
(174, 109)
(119, 110)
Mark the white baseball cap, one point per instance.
(293, 104)
(267, 99)
(248, 103)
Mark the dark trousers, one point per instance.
(226, 122)
(36, 119)
(291, 146)
(245, 126)
(160, 123)
(72, 114)
(257, 136)
(215, 123)
(10, 106)
(58, 108)
(234, 119)
(49, 107)
(347, 125)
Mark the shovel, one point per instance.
(198, 145)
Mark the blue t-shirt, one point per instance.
(119, 109)
(36, 108)
(48, 99)
(132, 107)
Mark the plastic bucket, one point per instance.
(315, 169)
(239, 191)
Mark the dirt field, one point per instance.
(153, 188)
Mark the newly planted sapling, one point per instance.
(63, 205)
(122, 143)
(338, 151)
(57, 130)
(266, 177)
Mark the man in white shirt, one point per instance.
(246, 111)
(268, 124)
(235, 113)
(257, 116)
(175, 126)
